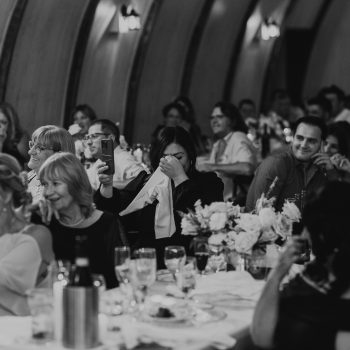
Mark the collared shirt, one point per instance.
(296, 179)
(126, 169)
(239, 149)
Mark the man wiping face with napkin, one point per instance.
(149, 205)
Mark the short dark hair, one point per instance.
(320, 101)
(333, 89)
(179, 107)
(232, 112)
(173, 134)
(314, 121)
(246, 101)
(109, 127)
(341, 131)
(86, 110)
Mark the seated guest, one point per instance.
(25, 249)
(68, 196)
(13, 140)
(233, 154)
(312, 310)
(125, 164)
(46, 140)
(174, 163)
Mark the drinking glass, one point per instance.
(186, 277)
(201, 253)
(174, 258)
(217, 261)
(145, 268)
(122, 263)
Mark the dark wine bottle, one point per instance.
(81, 277)
(265, 142)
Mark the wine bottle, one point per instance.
(265, 142)
(82, 273)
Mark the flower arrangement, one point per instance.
(227, 224)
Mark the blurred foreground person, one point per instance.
(312, 310)
(25, 249)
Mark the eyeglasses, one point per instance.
(38, 148)
(94, 137)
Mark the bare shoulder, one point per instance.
(40, 232)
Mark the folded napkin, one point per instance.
(158, 187)
(214, 334)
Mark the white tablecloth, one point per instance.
(235, 293)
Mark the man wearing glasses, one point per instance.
(126, 166)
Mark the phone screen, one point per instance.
(107, 155)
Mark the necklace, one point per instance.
(73, 224)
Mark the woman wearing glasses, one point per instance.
(46, 140)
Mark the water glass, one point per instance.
(122, 263)
(201, 252)
(174, 258)
(186, 277)
(217, 259)
(40, 301)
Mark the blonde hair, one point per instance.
(54, 137)
(66, 167)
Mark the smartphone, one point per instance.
(107, 155)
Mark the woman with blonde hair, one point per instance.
(69, 203)
(46, 140)
(25, 249)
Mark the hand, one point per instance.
(289, 256)
(47, 210)
(172, 167)
(345, 165)
(323, 160)
(105, 179)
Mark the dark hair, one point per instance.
(314, 121)
(341, 131)
(186, 103)
(320, 101)
(178, 107)
(326, 216)
(170, 135)
(246, 101)
(11, 180)
(15, 131)
(232, 112)
(86, 110)
(333, 89)
(109, 127)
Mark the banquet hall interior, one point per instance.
(222, 108)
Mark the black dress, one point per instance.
(139, 225)
(102, 237)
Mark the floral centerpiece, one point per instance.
(227, 224)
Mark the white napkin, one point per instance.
(212, 334)
(157, 187)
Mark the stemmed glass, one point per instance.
(174, 258)
(122, 263)
(144, 270)
(201, 253)
(186, 277)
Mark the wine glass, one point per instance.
(145, 268)
(186, 277)
(201, 253)
(174, 258)
(122, 263)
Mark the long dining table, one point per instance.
(225, 300)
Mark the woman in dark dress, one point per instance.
(175, 155)
(68, 202)
(312, 311)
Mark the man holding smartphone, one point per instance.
(98, 140)
(299, 170)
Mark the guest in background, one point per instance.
(248, 112)
(311, 311)
(125, 164)
(82, 116)
(46, 140)
(173, 159)
(13, 140)
(25, 249)
(319, 107)
(233, 154)
(70, 212)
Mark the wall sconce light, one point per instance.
(269, 29)
(129, 19)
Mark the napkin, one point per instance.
(158, 187)
(212, 334)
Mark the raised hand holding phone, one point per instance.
(107, 155)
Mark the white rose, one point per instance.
(268, 235)
(267, 217)
(291, 211)
(249, 222)
(217, 221)
(230, 239)
(217, 238)
(245, 240)
(187, 227)
(283, 226)
(218, 207)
